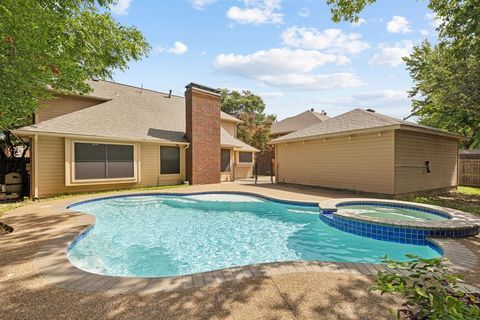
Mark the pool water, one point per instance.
(389, 213)
(153, 236)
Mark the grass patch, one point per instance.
(473, 191)
(465, 199)
(8, 206)
(5, 207)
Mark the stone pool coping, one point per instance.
(52, 263)
(458, 219)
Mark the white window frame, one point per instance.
(70, 164)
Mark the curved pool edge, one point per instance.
(173, 194)
(52, 263)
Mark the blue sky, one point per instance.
(289, 52)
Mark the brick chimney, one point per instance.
(203, 132)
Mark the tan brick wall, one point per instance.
(203, 132)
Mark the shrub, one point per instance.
(430, 290)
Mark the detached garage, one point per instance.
(365, 151)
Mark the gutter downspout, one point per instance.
(35, 167)
(185, 162)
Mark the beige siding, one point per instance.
(243, 170)
(51, 169)
(63, 105)
(229, 126)
(363, 163)
(412, 150)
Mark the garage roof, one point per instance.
(352, 121)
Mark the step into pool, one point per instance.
(163, 235)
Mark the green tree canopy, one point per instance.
(51, 46)
(250, 108)
(446, 75)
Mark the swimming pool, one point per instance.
(161, 235)
(392, 213)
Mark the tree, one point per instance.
(49, 46)
(446, 75)
(250, 108)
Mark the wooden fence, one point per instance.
(469, 170)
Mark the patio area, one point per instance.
(298, 293)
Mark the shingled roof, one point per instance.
(124, 112)
(352, 121)
(300, 121)
(227, 140)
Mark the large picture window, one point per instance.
(169, 160)
(103, 161)
(245, 157)
(225, 160)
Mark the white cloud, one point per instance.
(304, 13)
(314, 81)
(398, 24)
(271, 95)
(392, 102)
(201, 4)
(275, 61)
(392, 55)
(360, 22)
(331, 40)
(433, 19)
(257, 12)
(120, 7)
(288, 68)
(424, 32)
(178, 48)
(382, 96)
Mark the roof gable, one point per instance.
(300, 121)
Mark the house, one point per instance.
(366, 151)
(300, 121)
(120, 136)
(283, 127)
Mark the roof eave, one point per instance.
(226, 145)
(434, 132)
(246, 150)
(336, 134)
(80, 136)
(231, 120)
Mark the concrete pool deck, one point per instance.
(34, 281)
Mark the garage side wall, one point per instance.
(363, 163)
(412, 149)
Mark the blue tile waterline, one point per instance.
(162, 235)
(417, 235)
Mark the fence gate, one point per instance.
(469, 171)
